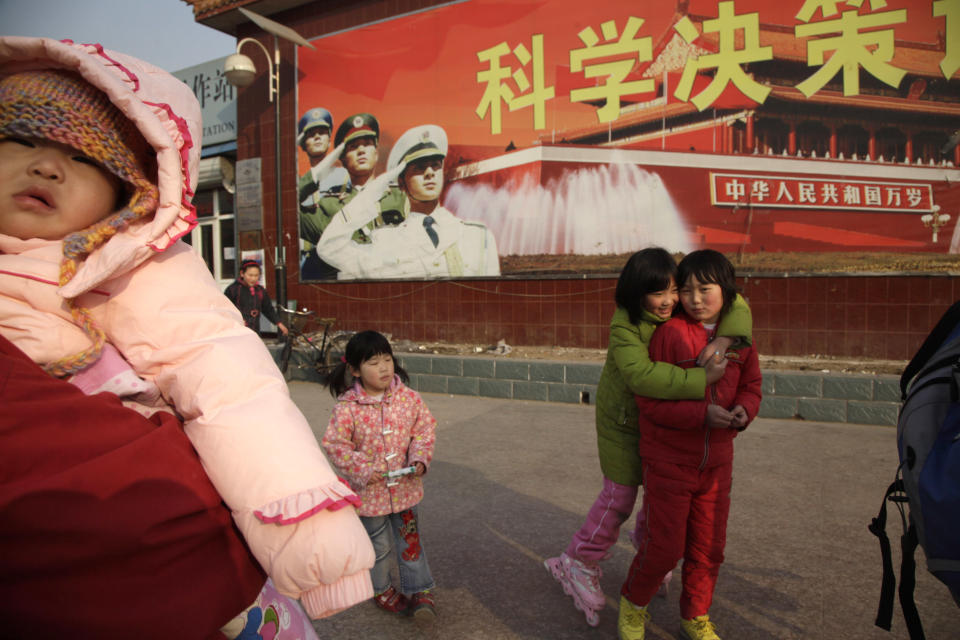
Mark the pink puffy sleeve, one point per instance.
(171, 322)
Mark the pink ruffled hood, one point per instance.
(167, 115)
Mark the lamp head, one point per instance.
(239, 70)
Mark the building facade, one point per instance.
(710, 164)
(215, 236)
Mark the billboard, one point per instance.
(533, 136)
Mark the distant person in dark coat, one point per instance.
(249, 296)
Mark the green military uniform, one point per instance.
(327, 205)
(309, 191)
(318, 206)
(311, 186)
(312, 224)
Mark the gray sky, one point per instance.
(161, 32)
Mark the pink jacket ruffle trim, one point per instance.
(293, 509)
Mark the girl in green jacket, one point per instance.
(646, 296)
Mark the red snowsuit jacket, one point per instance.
(674, 430)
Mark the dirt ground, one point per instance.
(764, 262)
(569, 354)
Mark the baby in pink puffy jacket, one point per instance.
(98, 162)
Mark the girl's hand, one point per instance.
(740, 417)
(718, 417)
(715, 350)
(715, 368)
(421, 468)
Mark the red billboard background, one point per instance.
(423, 68)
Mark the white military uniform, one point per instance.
(406, 250)
(462, 248)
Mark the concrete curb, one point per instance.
(822, 397)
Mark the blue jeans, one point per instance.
(403, 529)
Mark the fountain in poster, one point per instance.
(605, 209)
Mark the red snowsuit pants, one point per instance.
(687, 512)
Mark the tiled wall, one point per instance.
(873, 316)
(531, 312)
(825, 397)
(884, 317)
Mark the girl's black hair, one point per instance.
(246, 264)
(710, 267)
(361, 347)
(647, 271)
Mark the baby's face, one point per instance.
(49, 190)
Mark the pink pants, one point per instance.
(600, 532)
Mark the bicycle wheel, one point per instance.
(325, 362)
(329, 359)
(285, 355)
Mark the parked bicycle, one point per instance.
(319, 358)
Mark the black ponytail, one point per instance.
(361, 347)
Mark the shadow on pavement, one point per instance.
(512, 480)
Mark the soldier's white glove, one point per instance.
(365, 205)
(325, 166)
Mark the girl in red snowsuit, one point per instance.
(687, 452)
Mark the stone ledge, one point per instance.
(826, 397)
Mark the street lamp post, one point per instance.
(240, 71)
(935, 220)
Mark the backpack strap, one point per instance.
(937, 336)
(908, 580)
(878, 527)
(908, 568)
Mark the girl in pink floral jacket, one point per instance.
(380, 438)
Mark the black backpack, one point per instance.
(928, 478)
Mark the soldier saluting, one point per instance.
(357, 147)
(314, 133)
(430, 242)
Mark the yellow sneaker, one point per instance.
(632, 621)
(700, 628)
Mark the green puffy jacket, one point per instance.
(629, 371)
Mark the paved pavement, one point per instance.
(512, 480)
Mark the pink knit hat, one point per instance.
(60, 106)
